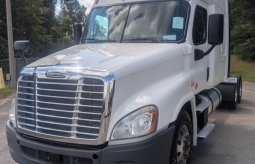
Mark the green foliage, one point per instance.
(72, 12)
(36, 20)
(3, 48)
(243, 28)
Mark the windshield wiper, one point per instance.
(144, 38)
(92, 39)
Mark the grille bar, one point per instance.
(26, 81)
(26, 118)
(73, 118)
(70, 84)
(26, 93)
(25, 112)
(26, 105)
(70, 111)
(26, 99)
(57, 90)
(21, 123)
(26, 87)
(68, 97)
(61, 107)
(55, 123)
(45, 102)
(39, 127)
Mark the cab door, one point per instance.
(200, 41)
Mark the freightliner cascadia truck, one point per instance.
(136, 88)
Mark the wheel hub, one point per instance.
(183, 145)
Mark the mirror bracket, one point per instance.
(23, 59)
(199, 54)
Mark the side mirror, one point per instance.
(215, 35)
(216, 29)
(21, 46)
(77, 33)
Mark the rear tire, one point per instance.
(182, 141)
(239, 88)
(233, 104)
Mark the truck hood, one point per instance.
(122, 59)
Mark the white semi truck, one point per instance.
(137, 88)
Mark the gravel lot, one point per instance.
(231, 142)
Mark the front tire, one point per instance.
(182, 141)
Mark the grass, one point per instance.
(5, 92)
(244, 68)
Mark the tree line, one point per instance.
(37, 21)
(243, 28)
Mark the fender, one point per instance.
(167, 88)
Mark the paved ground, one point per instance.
(5, 157)
(233, 139)
(231, 142)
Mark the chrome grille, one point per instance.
(61, 107)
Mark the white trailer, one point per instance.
(137, 87)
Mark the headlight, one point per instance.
(136, 124)
(12, 113)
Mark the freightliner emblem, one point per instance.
(56, 73)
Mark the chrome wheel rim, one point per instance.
(182, 151)
(240, 90)
(236, 94)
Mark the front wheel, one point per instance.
(182, 142)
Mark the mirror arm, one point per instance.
(199, 54)
(23, 59)
(209, 51)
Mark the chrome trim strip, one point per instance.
(75, 73)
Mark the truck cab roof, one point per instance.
(221, 3)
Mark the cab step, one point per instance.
(204, 133)
(205, 103)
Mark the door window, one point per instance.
(200, 26)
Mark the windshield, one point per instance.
(145, 22)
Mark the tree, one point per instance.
(36, 20)
(243, 28)
(72, 12)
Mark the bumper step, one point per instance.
(204, 133)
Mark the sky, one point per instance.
(86, 3)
